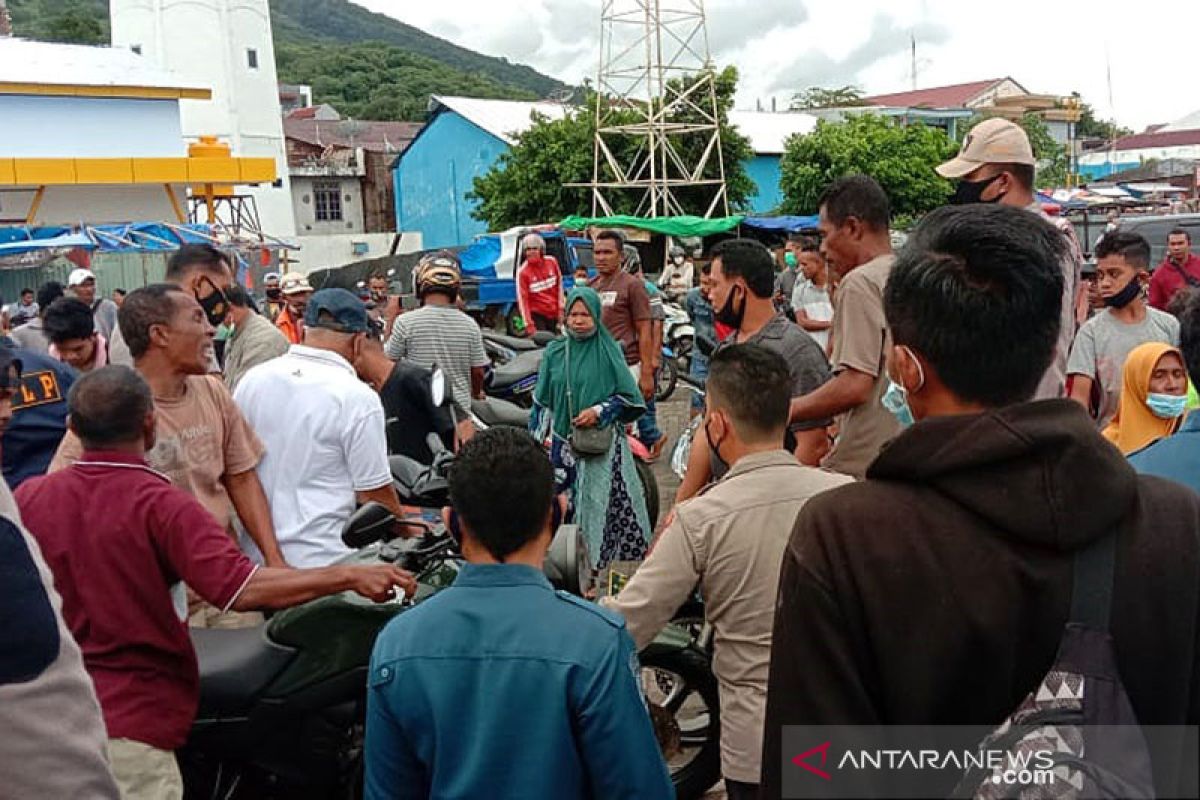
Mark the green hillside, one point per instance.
(367, 65)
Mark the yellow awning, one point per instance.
(125, 171)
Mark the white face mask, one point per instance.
(679, 260)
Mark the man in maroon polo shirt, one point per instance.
(1179, 270)
(120, 567)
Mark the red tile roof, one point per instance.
(955, 96)
(308, 112)
(381, 137)
(1139, 141)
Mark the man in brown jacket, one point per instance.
(730, 540)
(936, 591)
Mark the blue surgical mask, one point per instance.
(895, 400)
(1167, 406)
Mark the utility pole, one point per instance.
(655, 101)
(913, 39)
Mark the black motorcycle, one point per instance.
(282, 705)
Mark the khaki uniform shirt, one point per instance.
(861, 340)
(731, 541)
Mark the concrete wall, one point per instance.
(66, 205)
(208, 41)
(321, 252)
(765, 171)
(434, 176)
(305, 206)
(89, 127)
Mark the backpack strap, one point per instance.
(1091, 592)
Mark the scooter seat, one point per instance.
(236, 666)
(524, 367)
(495, 411)
(517, 343)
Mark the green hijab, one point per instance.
(597, 371)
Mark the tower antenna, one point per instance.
(657, 146)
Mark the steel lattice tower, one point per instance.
(655, 90)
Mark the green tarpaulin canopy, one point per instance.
(671, 226)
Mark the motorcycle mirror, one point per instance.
(367, 525)
(437, 387)
(568, 565)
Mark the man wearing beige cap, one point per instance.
(296, 293)
(996, 165)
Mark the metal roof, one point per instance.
(504, 119)
(768, 131)
(51, 64)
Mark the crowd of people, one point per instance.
(901, 459)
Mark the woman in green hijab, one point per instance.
(584, 384)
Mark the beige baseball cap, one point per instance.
(993, 141)
(295, 283)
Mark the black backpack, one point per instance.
(1082, 690)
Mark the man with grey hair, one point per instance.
(539, 287)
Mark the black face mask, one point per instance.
(215, 306)
(972, 191)
(717, 465)
(726, 315)
(275, 294)
(1131, 292)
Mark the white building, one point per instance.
(225, 45)
(93, 134)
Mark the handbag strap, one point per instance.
(1188, 278)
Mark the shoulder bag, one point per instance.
(593, 441)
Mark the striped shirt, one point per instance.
(444, 336)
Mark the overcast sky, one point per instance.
(781, 46)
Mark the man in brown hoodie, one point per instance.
(935, 592)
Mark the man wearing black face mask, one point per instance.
(205, 273)
(1105, 340)
(997, 165)
(743, 294)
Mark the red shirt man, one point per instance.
(539, 286)
(120, 566)
(1179, 270)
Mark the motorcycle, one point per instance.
(679, 334)
(282, 705)
(515, 363)
(668, 375)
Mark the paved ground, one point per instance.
(672, 419)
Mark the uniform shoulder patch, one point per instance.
(611, 617)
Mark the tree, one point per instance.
(373, 80)
(1091, 127)
(529, 183)
(1051, 156)
(820, 97)
(901, 157)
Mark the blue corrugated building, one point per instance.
(465, 136)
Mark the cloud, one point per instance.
(885, 40)
(735, 24)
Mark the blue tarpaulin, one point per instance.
(127, 238)
(787, 224)
(479, 259)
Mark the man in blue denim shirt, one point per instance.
(498, 686)
(699, 308)
(1177, 457)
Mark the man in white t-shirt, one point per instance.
(323, 430)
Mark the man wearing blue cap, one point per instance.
(323, 430)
